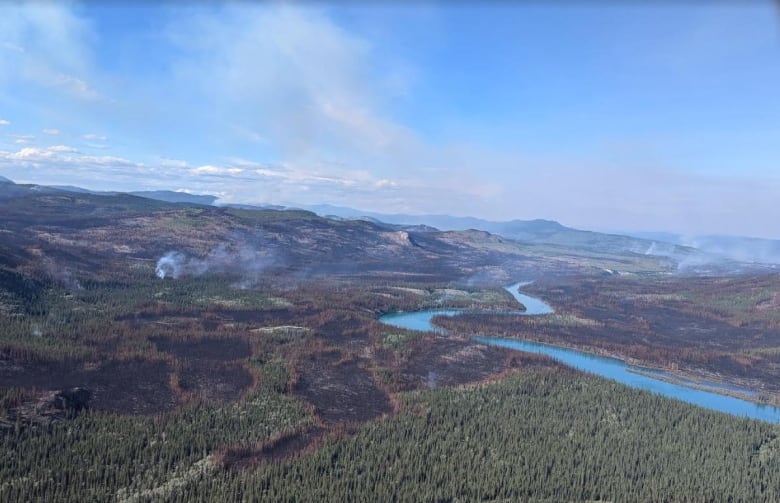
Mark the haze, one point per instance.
(604, 116)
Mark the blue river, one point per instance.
(610, 368)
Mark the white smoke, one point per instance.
(661, 249)
(690, 260)
(170, 265)
(432, 377)
(61, 274)
(742, 249)
(243, 259)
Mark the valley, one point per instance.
(239, 354)
(407, 252)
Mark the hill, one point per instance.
(100, 233)
(528, 232)
(224, 352)
(538, 231)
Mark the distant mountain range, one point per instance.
(68, 234)
(532, 231)
(168, 196)
(685, 249)
(695, 250)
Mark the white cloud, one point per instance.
(75, 86)
(72, 85)
(249, 135)
(8, 46)
(245, 163)
(51, 131)
(22, 139)
(62, 148)
(167, 162)
(4, 122)
(385, 183)
(94, 137)
(61, 156)
(282, 77)
(30, 153)
(215, 170)
(97, 146)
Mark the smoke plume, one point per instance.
(243, 259)
(170, 265)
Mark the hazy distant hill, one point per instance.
(168, 196)
(107, 236)
(176, 197)
(9, 189)
(531, 231)
(687, 251)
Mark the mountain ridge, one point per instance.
(536, 231)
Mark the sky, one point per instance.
(609, 115)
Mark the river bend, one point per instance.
(610, 368)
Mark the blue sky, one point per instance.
(604, 115)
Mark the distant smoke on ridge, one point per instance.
(243, 259)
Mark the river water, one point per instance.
(610, 368)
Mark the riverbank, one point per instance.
(723, 398)
(713, 383)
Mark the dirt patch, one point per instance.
(127, 387)
(214, 382)
(341, 392)
(213, 349)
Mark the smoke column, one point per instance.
(243, 259)
(169, 264)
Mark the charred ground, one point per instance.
(80, 294)
(713, 328)
(263, 342)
